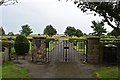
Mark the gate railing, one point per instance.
(81, 48)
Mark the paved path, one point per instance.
(59, 70)
(73, 68)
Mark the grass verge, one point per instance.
(107, 72)
(10, 70)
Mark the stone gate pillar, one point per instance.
(39, 42)
(93, 50)
(39, 47)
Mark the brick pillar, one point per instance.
(93, 50)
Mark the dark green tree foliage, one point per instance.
(49, 30)
(26, 30)
(110, 11)
(2, 32)
(114, 32)
(70, 31)
(11, 34)
(78, 33)
(21, 45)
(98, 28)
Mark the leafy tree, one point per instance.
(84, 34)
(2, 32)
(78, 33)
(109, 34)
(26, 30)
(49, 30)
(114, 32)
(110, 11)
(70, 31)
(98, 28)
(11, 34)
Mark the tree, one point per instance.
(8, 2)
(26, 30)
(49, 30)
(11, 34)
(114, 32)
(70, 31)
(110, 11)
(98, 28)
(78, 33)
(2, 32)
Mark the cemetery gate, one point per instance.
(65, 51)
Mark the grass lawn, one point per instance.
(10, 70)
(107, 72)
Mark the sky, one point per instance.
(40, 13)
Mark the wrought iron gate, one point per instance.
(65, 51)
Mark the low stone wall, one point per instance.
(95, 50)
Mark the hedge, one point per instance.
(75, 39)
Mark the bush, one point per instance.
(21, 45)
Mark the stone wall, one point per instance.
(93, 50)
(39, 47)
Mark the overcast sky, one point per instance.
(40, 13)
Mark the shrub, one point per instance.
(21, 45)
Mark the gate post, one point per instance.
(93, 50)
(39, 48)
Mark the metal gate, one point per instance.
(65, 51)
